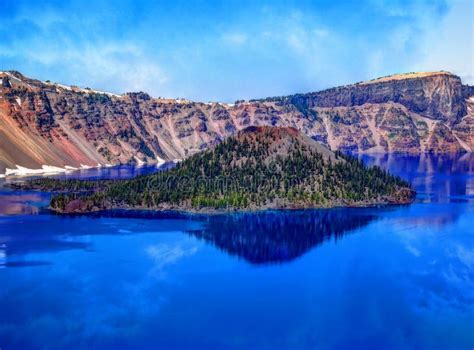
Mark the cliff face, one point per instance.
(44, 123)
(437, 96)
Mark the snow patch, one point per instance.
(102, 93)
(78, 89)
(53, 169)
(160, 160)
(46, 170)
(139, 161)
(22, 171)
(63, 86)
(15, 78)
(18, 100)
(12, 76)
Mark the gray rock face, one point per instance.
(467, 91)
(45, 123)
(439, 96)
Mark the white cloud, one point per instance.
(76, 51)
(449, 44)
(118, 67)
(281, 51)
(422, 38)
(164, 255)
(235, 38)
(320, 32)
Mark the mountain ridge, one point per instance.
(43, 123)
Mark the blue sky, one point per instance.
(228, 50)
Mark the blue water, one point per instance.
(377, 278)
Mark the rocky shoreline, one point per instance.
(80, 206)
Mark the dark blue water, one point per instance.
(377, 278)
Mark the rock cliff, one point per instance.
(43, 123)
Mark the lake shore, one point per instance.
(80, 206)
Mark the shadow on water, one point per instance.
(30, 263)
(267, 237)
(257, 237)
(279, 236)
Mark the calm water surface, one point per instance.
(378, 278)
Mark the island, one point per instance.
(260, 167)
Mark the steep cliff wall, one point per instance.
(44, 123)
(436, 95)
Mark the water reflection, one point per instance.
(132, 280)
(26, 203)
(19, 238)
(259, 238)
(279, 236)
(446, 178)
(22, 236)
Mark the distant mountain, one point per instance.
(259, 168)
(44, 123)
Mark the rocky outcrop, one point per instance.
(437, 95)
(42, 123)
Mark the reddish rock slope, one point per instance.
(45, 123)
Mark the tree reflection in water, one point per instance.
(279, 236)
